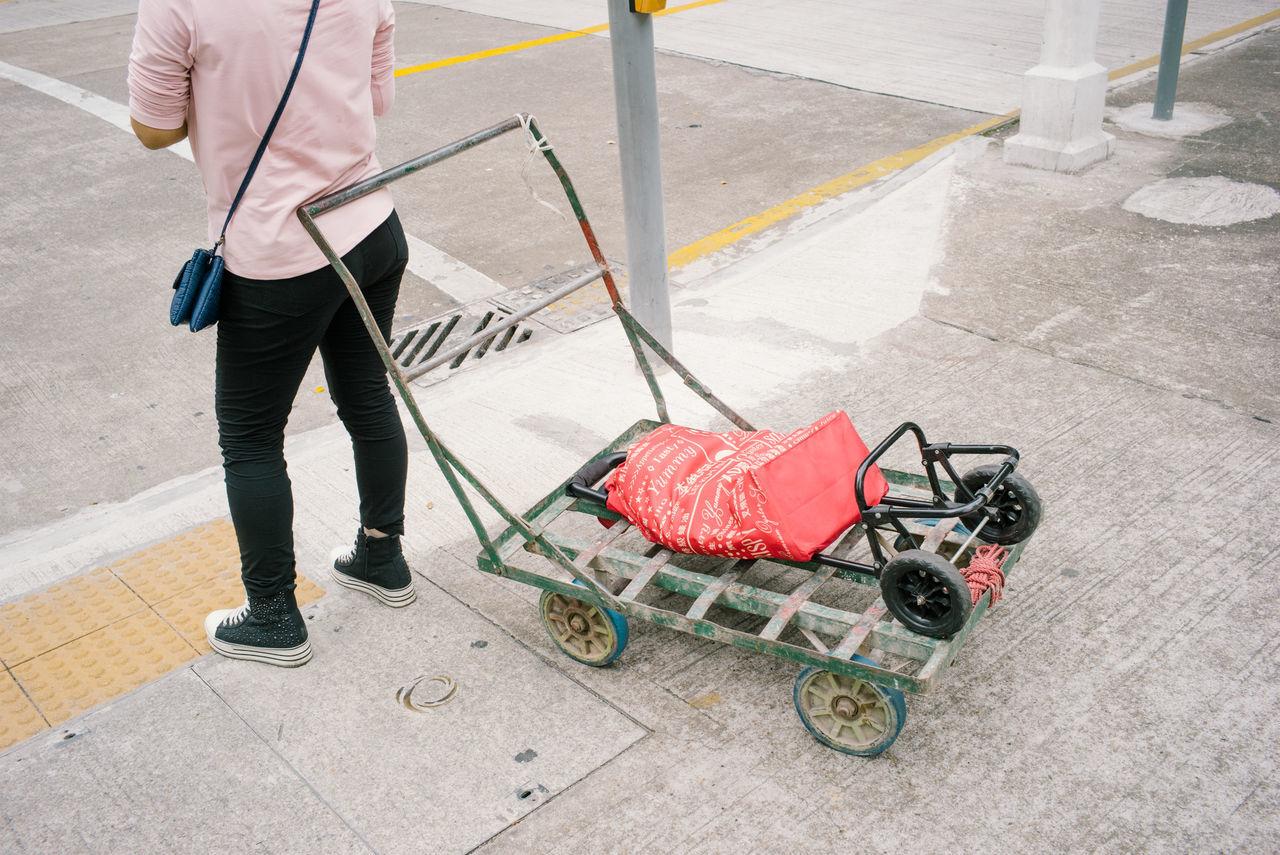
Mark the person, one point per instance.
(213, 72)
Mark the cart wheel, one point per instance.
(584, 631)
(925, 592)
(1017, 506)
(850, 715)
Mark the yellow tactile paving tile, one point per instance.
(308, 591)
(92, 638)
(52, 617)
(186, 610)
(181, 562)
(102, 665)
(18, 718)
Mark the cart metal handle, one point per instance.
(452, 468)
(580, 487)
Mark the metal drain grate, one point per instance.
(415, 347)
(574, 312)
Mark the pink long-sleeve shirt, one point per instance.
(221, 66)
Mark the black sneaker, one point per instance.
(376, 566)
(264, 629)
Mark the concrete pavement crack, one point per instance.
(297, 774)
(1094, 367)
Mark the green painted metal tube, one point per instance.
(1175, 22)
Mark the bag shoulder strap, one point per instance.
(266, 137)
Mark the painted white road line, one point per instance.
(455, 278)
(104, 108)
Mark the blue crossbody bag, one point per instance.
(198, 286)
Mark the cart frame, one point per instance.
(601, 573)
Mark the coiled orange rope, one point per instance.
(984, 571)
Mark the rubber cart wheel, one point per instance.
(925, 592)
(850, 715)
(584, 631)
(1017, 505)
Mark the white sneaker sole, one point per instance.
(397, 599)
(285, 657)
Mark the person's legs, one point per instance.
(357, 379)
(267, 334)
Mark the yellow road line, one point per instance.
(827, 190)
(885, 166)
(837, 186)
(484, 54)
(559, 37)
(1188, 47)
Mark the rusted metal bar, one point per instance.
(490, 332)
(817, 642)
(646, 574)
(382, 179)
(713, 591)
(450, 463)
(605, 538)
(630, 323)
(939, 533)
(945, 652)
(803, 655)
(757, 601)
(393, 371)
(794, 601)
(594, 245)
(851, 642)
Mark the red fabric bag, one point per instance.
(745, 494)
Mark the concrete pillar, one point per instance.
(1063, 97)
(635, 87)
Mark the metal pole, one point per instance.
(635, 87)
(1175, 23)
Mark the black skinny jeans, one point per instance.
(268, 331)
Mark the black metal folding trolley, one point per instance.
(896, 628)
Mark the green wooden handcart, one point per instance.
(895, 629)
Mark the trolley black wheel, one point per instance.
(1016, 504)
(582, 630)
(850, 715)
(925, 592)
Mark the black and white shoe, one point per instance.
(264, 629)
(375, 566)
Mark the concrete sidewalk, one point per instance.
(1120, 699)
